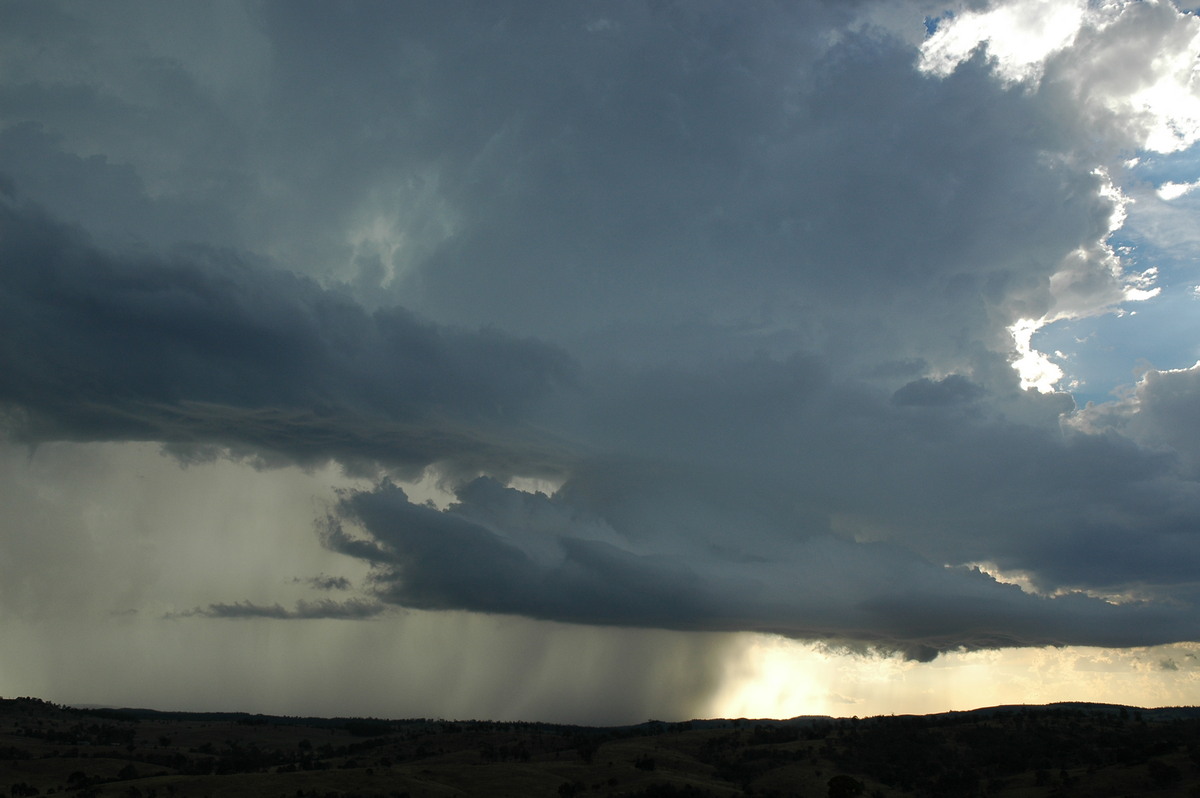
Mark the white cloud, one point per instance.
(1020, 35)
(1171, 190)
(1035, 368)
(1132, 59)
(1137, 71)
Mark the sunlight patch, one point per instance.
(547, 487)
(1019, 36)
(1035, 369)
(1020, 579)
(780, 678)
(396, 228)
(1170, 101)
(430, 490)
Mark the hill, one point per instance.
(1056, 750)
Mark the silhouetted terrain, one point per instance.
(1057, 750)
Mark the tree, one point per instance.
(843, 786)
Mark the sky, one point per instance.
(599, 361)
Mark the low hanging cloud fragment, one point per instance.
(325, 582)
(326, 609)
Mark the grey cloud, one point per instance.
(764, 169)
(473, 557)
(1096, 511)
(107, 197)
(1164, 411)
(855, 177)
(738, 170)
(689, 504)
(128, 120)
(951, 390)
(717, 164)
(325, 582)
(780, 449)
(202, 348)
(325, 609)
(782, 261)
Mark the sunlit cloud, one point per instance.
(1018, 35)
(1036, 369)
(1170, 191)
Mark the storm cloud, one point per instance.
(201, 348)
(702, 317)
(475, 556)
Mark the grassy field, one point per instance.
(1076, 750)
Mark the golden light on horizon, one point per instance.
(781, 678)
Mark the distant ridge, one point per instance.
(1148, 713)
(1067, 748)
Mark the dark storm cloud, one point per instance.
(730, 167)
(767, 270)
(703, 514)
(325, 609)
(448, 562)
(480, 555)
(324, 582)
(950, 390)
(746, 457)
(105, 197)
(202, 348)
